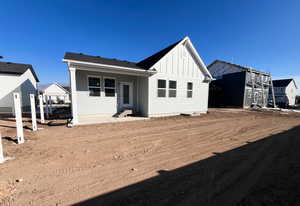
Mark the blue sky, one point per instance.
(263, 34)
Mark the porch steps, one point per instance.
(124, 113)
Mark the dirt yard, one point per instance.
(227, 157)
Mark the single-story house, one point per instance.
(285, 91)
(56, 93)
(19, 78)
(170, 82)
(237, 86)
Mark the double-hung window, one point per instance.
(161, 88)
(172, 88)
(109, 87)
(94, 86)
(189, 90)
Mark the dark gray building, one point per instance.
(238, 86)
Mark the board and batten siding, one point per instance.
(180, 66)
(95, 105)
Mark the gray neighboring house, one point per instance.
(234, 86)
(285, 91)
(19, 78)
(172, 81)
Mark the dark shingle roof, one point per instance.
(145, 64)
(67, 88)
(244, 68)
(15, 68)
(150, 61)
(99, 60)
(282, 82)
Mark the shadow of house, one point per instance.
(264, 172)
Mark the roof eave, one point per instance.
(141, 71)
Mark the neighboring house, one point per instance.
(57, 93)
(19, 78)
(285, 91)
(174, 80)
(234, 86)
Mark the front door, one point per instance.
(126, 100)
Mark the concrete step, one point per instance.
(124, 113)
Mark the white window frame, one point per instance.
(107, 77)
(172, 88)
(189, 90)
(162, 88)
(88, 86)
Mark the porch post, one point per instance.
(72, 71)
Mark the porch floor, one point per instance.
(99, 120)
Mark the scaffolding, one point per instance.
(261, 84)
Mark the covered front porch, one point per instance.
(99, 94)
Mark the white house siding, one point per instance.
(24, 84)
(286, 94)
(56, 93)
(142, 96)
(101, 106)
(291, 93)
(178, 65)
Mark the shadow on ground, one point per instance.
(264, 172)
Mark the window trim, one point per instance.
(189, 90)
(115, 88)
(88, 86)
(172, 88)
(161, 88)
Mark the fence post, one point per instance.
(33, 112)
(18, 114)
(50, 105)
(41, 109)
(47, 107)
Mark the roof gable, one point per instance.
(16, 68)
(148, 62)
(44, 87)
(283, 82)
(238, 67)
(190, 48)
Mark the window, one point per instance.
(172, 88)
(161, 88)
(94, 86)
(109, 87)
(189, 90)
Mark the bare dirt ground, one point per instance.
(227, 157)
